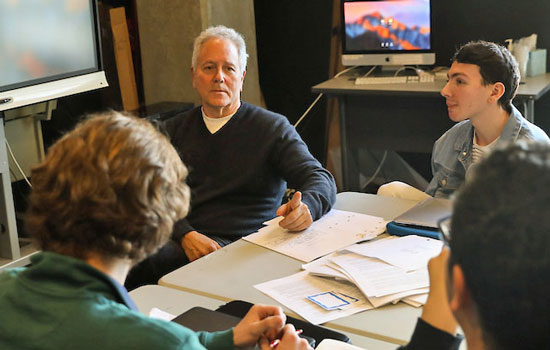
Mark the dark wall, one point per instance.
(457, 22)
(293, 40)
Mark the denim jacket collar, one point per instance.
(464, 143)
(513, 127)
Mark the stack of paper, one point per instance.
(381, 283)
(336, 230)
(363, 276)
(386, 271)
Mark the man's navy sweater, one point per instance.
(238, 175)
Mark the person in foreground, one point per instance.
(483, 80)
(105, 197)
(241, 158)
(493, 276)
(497, 266)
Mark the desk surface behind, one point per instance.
(533, 88)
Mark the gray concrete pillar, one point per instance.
(167, 30)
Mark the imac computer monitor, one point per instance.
(390, 32)
(48, 49)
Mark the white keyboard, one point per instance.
(427, 78)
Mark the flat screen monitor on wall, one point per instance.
(48, 49)
(390, 32)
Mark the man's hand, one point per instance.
(296, 213)
(289, 340)
(260, 321)
(437, 311)
(197, 245)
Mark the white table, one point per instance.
(230, 273)
(177, 302)
(171, 300)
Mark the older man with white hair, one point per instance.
(241, 159)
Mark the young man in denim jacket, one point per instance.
(483, 81)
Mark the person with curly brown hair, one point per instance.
(105, 197)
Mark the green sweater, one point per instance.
(61, 302)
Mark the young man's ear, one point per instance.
(459, 295)
(497, 92)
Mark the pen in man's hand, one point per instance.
(276, 342)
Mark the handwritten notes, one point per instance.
(336, 230)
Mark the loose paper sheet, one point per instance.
(331, 344)
(416, 300)
(324, 267)
(336, 230)
(291, 291)
(395, 298)
(409, 252)
(378, 279)
(161, 314)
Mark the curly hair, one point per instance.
(113, 186)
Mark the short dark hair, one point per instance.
(113, 186)
(501, 240)
(496, 64)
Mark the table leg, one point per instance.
(344, 144)
(9, 243)
(529, 110)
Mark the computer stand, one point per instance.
(9, 242)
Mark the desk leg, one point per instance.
(9, 243)
(529, 110)
(344, 144)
